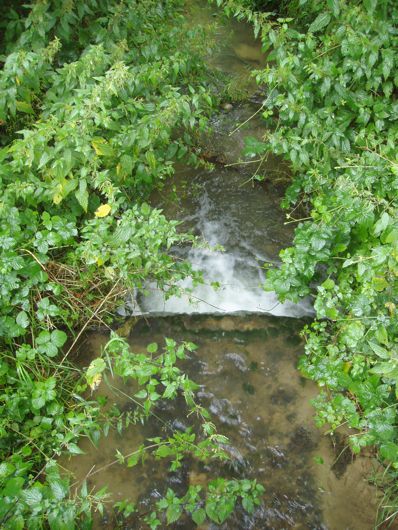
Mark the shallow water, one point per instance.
(246, 368)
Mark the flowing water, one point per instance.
(248, 348)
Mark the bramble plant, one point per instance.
(331, 110)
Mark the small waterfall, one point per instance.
(238, 270)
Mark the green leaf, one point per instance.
(74, 449)
(384, 368)
(133, 459)
(253, 147)
(25, 107)
(334, 5)
(199, 516)
(320, 22)
(173, 513)
(32, 496)
(389, 451)
(379, 351)
(59, 488)
(163, 451)
(82, 194)
(22, 319)
(152, 348)
(381, 224)
(328, 284)
(13, 487)
(94, 371)
(248, 504)
(58, 338)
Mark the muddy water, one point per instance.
(246, 368)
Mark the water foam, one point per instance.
(237, 270)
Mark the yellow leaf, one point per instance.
(347, 367)
(57, 198)
(103, 210)
(102, 147)
(95, 381)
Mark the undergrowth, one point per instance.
(330, 109)
(97, 100)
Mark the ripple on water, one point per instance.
(273, 438)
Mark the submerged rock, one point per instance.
(248, 53)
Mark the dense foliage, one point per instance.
(97, 99)
(331, 108)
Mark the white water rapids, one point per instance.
(238, 220)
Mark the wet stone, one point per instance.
(303, 440)
(283, 396)
(237, 360)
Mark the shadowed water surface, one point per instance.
(246, 368)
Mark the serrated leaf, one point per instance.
(133, 459)
(75, 449)
(199, 516)
(102, 147)
(173, 513)
(32, 496)
(59, 489)
(321, 21)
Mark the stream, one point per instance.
(248, 346)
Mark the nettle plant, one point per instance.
(97, 101)
(47, 498)
(331, 108)
(158, 378)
